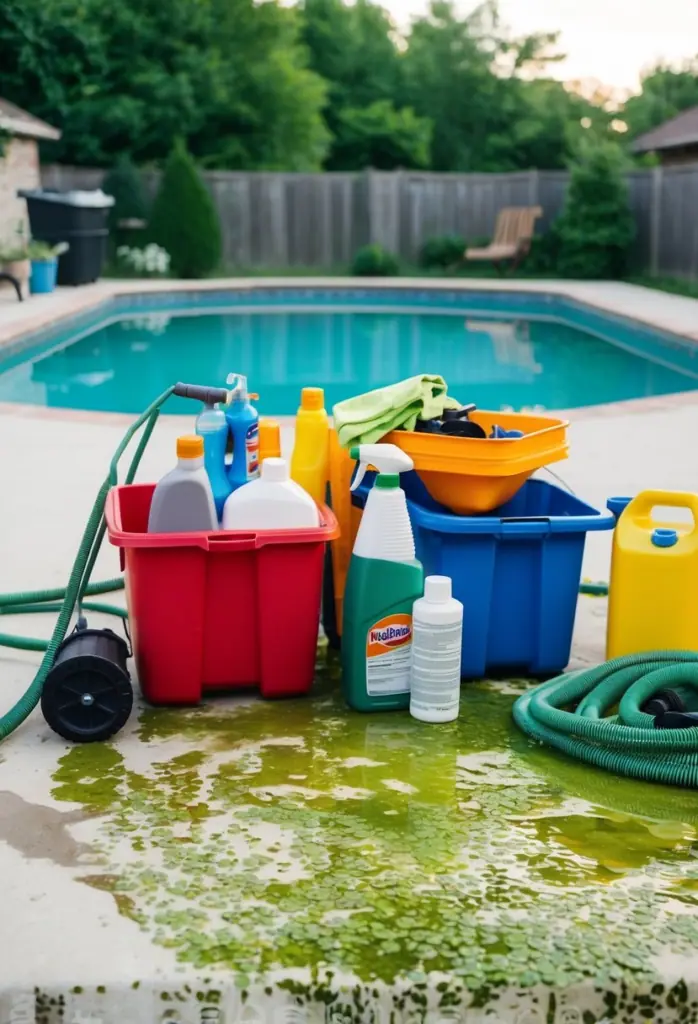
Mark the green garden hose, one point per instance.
(69, 600)
(626, 743)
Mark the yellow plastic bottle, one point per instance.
(269, 440)
(653, 593)
(310, 460)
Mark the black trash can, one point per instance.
(78, 218)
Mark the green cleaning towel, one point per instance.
(367, 418)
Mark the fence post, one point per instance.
(655, 220)
(534, 187)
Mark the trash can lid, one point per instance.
(94, 198)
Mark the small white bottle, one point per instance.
(437, 624)
(273, 502)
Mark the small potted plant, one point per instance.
(44, 265)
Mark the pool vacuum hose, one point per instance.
(661, 748)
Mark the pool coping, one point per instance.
(670, 314)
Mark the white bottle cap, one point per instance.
(437, 589)
(275, 470)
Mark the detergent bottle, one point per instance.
(212, 426)
(383, 582)
(243, 420)
(273, 502)
(310, 462)
(653, 589)
(183, 499)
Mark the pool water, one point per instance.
(495, 363)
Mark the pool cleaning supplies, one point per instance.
(183, 500)
(273, 502)
(311, 450)
(269, 440)
(369, 417)
(437, 628)
(383, 582)
(653, 590)
(212, 426)
(243, 420)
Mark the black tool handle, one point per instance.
(201, 393)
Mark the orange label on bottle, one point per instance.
(388, 653)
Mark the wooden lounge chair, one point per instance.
(14, 282)
(512, 237)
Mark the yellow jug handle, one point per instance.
(643, 504)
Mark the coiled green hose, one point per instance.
(626, 743)
(71, 598)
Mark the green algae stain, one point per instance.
(299, 833)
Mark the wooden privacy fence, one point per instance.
(320, 220)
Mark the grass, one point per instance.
(675, 285)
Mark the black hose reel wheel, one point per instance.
(87, 695)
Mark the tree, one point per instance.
(664, 93)
(228, 75)
(596, 227)
(380, 136)
(184, 219)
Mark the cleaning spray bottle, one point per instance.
(243, 420)
(383, 582)
(212, 425)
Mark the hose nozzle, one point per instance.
(201, 393)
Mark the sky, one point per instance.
(611, 40)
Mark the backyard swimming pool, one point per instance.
(497, 350)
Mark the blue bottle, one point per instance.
(243, 421)
(212, 425)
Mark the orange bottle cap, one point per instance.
(312, 398)
(269, 439)
(190, 446)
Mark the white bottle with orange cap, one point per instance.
(183, 500)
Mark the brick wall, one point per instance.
(19, 168)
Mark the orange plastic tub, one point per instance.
(471, 475)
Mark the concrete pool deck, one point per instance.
(138, 875)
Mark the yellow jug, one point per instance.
(653, 592)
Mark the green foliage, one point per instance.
(665, 93)
(184, 219)
(374, 261)
(442, 252)
(596, 227)
(227, 75)
(382, 137)
(44, 252)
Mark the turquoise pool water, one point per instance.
(494, 351)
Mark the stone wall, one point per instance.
(19, 168)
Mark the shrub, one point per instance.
(596, 227)
(374, 261)
(184, 220)
(124, 183)
(152, 261)
(442, 252)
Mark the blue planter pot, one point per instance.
(43, 276)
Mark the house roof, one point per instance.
(681, 130)
(17, 121)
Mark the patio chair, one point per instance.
(14, 282)
(512, 238)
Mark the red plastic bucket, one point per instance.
(222, 610)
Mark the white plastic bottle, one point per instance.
(273, 502)
(437, 632)
(183, 499)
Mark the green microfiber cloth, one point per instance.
(367, 418)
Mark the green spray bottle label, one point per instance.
(388, 654)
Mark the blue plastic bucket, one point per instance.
(43, 276)
(516, 570)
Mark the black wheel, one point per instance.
(88, 697)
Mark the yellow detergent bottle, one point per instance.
(653, 592)
(311, 449)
